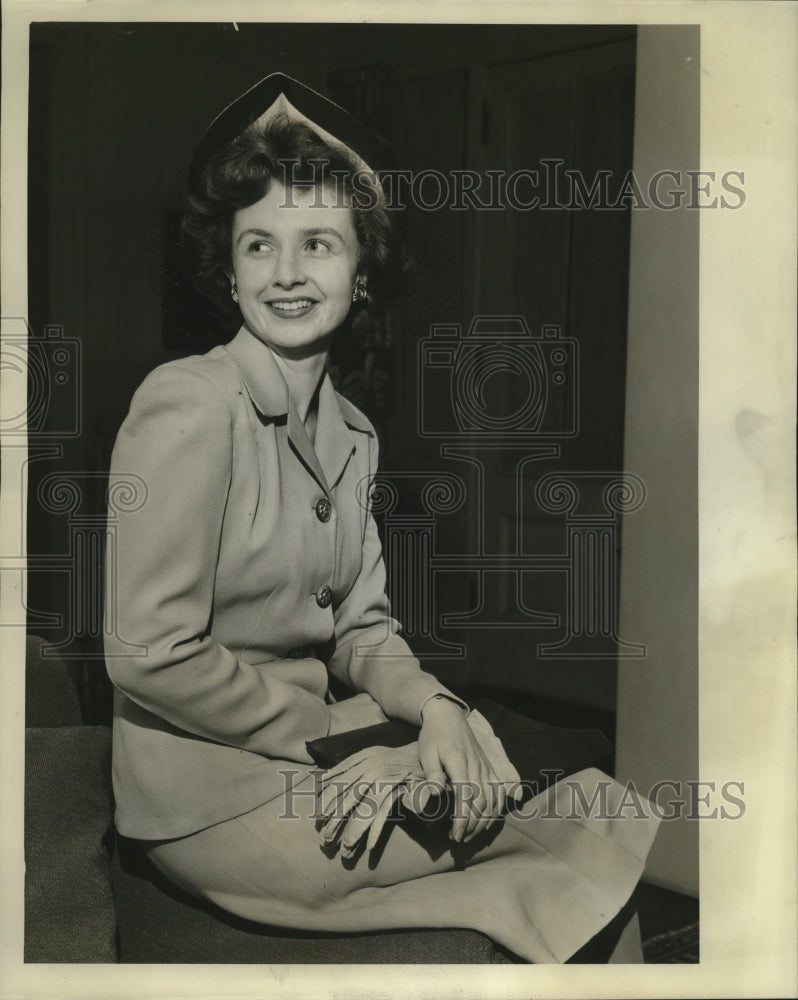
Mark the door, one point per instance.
(558, 130)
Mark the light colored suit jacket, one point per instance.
(219, 578)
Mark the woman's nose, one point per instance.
(288, 269)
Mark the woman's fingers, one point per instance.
(501, 799)
(453, 753)
(486, 809)
(466, 793)
(451, 742)
(431, 764)
(356, 797)
(491, 746)
(477, 800)
(445, 764)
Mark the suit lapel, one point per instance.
(300, 442)
(335, 442)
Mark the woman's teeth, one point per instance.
(293, 306)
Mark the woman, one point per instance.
(252, 580)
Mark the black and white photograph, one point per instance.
(398, 500)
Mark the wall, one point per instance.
(657, 734)
(116, 112)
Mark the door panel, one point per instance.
(513, 571)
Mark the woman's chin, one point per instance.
(293, 345)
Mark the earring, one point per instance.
(234, 291)
(360, 292)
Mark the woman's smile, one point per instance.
(291, 308)
(294, 258)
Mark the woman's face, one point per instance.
(294, 257)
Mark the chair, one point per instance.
(91, 896)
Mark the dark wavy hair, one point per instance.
(242, 172)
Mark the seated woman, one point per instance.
(251, 578)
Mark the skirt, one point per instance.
(542, 882)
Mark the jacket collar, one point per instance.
(335, 440)
(260, 374)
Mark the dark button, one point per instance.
(323, 510)
(324, 597)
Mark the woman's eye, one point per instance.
(317, 247)
(259, 246)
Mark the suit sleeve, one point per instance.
(178, 439)
(370, 653)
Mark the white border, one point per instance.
(747, 542)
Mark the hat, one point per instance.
(278, 94)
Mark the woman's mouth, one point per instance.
(291, 308)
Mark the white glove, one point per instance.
(357, 795)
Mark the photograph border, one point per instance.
(747, 588)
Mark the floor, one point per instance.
(661, 910)
(669, 925)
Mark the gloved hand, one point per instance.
(357, 795)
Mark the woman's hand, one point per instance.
(450, 754)
(355, 713)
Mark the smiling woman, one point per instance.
(252, 583)
(294, 271)
(283, 151)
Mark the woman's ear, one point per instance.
(360, 291)
(230, 275)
